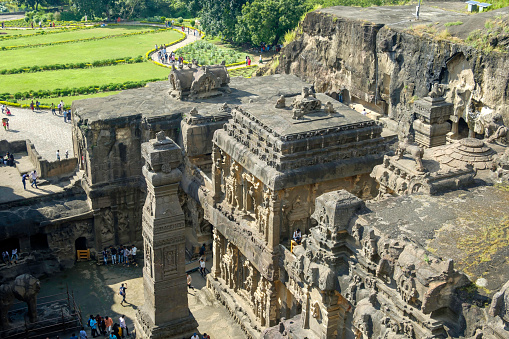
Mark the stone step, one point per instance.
(24, 165)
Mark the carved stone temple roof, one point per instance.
(278, 142)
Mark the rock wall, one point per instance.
(385, 68)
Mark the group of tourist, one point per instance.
(13, 258)
(104, 325)
(7, 160)
(66, 154)
(164, 57)
(248, 60)
(5, 121)
(32, 177)
(123, 255)
(266, 48)
(196, 336)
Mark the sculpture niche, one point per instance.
(24, 288)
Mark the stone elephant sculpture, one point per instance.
(24, 288)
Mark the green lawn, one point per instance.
(87, 51)
(73, 35)
(50, 80)
(68, 100)
(8, 31)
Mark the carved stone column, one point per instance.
(274, 223)
(216, 254)
(165, 313)
(216, 172)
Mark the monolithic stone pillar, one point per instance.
(274, 221)
(217, 166)
(165, 313)
(216, 254)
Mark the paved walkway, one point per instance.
(190, 38)
(11, 187)
(96, 288)
(47, 132)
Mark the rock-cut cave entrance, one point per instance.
(80, 244)
(9, 244)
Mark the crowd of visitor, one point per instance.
(123, 255)
(104, 326)
(13, 258)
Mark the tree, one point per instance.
(268, 20)
(219, 17)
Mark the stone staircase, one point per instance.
(75, 180)
(24, 165)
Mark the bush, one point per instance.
(57, 16)
(26, 19)
(163, 19)
(180, 20)
(192, 23)
(51, 16)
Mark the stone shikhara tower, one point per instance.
(165, 313)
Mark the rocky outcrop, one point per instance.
(384, 65)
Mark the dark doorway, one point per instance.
(81, 244)
(9, 244)
(463, 128)
(39, 242)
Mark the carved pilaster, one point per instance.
(165, 313)
(274, 221)
(216, 258)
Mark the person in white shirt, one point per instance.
(297, 236)
(133, 253)
(34, 178)
(14, 255)
(195, 336)
(364, 112)
(123, 326)
(189, 280)
(202, 267)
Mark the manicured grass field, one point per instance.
(73, 35)
(10, 31)
(68, 100)
(87, 51)
(50, 80)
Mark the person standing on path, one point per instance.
(24, 181)
(113, 252)
(122, 292)
(133, 252)
(34, 178)
(123, 326)
(109, 323)
(93, 326)
(15, 255)
(83, 334)
(67, 154)
(32, 105)
(53, 109)
(37, 104)
(61, 106)
(58, 155)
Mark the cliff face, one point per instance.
(384, 65)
